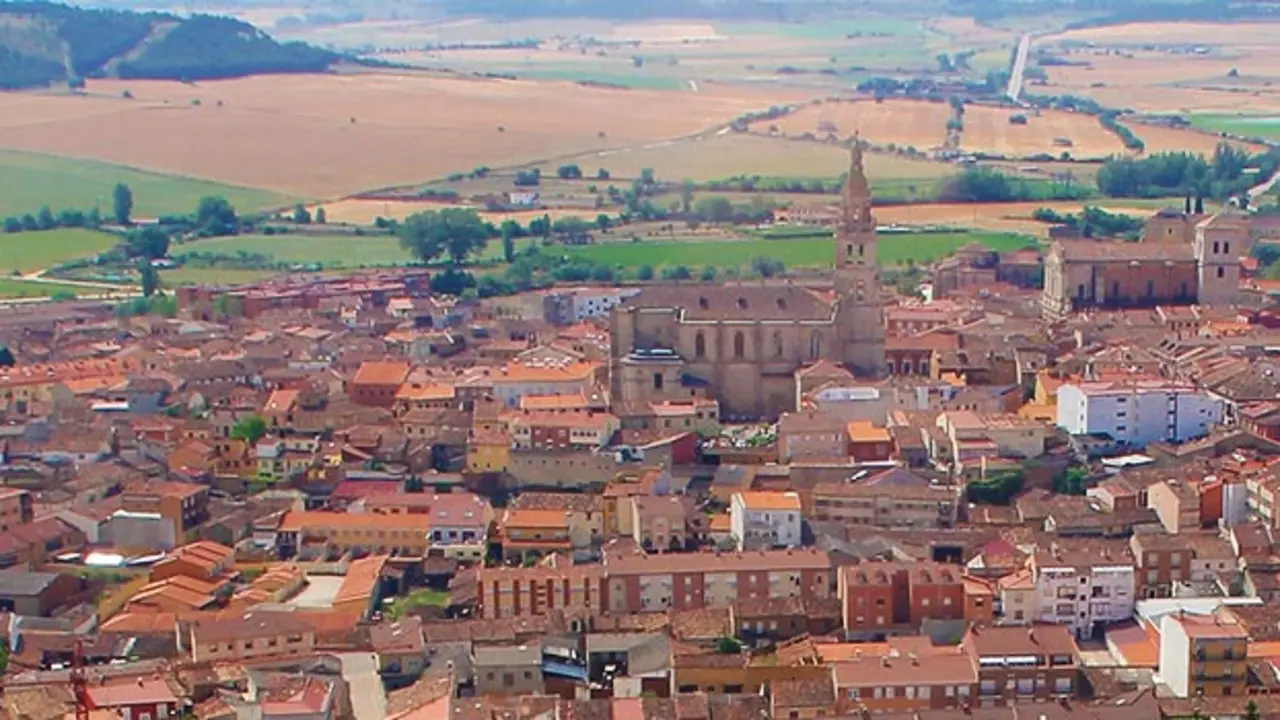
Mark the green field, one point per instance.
(326, 250)
(812, 251)
(30, 251)
(10, 288)
(29, 181)
(1260, 126)
(211, 276)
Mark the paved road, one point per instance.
(368, 696)
(1014, 91)
(1259, 190)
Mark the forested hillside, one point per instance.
(45, 43)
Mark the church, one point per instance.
(742, 343)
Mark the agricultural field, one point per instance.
(1205, 34)
(1135, 67)
(325, 250)
(813, 251)
(29, 181)
(907, 123)
(1004, 217)
(988, 130)
(1262, 126)
(323, 136)
(179, 277)
(359, 211)
(14, 289)
(717, 157)
(28, 252)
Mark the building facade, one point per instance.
(765, 519)
(742, 344)
(1137, 413)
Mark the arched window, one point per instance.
(739, 345)
(815, 345)
(700, 345)
(777, 343)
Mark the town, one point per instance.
(696, 500)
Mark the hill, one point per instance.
(43, 43)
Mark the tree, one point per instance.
(12, 225)
(150, 243)
(300, 214)
(676, 272)
(686, 195)
(603, 222)
(728, 646)
(708, 274)
(508, 241)
(572, 230)
(29, 223)
(767, 267)
(45, 219)
(216, 216)
(644, 273)
(455, 232)
(1199, 205)
(4, 657)
(149, 278)
(540, 227)
(1072, 481)
(999, 489)
(569, 172)
(7, 359)
(122, 204)
(321, 217)
(602, 174)
(249, 428)
(1251, 711)
(716, 209)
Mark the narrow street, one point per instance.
(368, 698)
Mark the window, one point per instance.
(700, 345)
(1115, 289)
(1222, 272)
(1226, 247)
(815, 345)
(1151, 288)
(739, 345)
(778, 348)
(657, 381)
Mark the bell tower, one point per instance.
(860, 312)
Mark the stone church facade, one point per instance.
(1182, 260)
(742, 343)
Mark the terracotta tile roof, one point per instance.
(551, 418)
(879, 670)
(545, 372)
(141, 692)
(1038, 639)
(551, 519)
(381, 373)
(866, 431)
(770, 500)
(303, 520)
(281, 401)
(361, 580)
(428, 391)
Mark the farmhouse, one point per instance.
(744, 343)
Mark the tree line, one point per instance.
(1227, 174)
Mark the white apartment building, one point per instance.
(1083, 590)
(1139, 413)
(765, 519)
(598, 302)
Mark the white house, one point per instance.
(1083, 589)
(1137, 414)
(765, 519)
